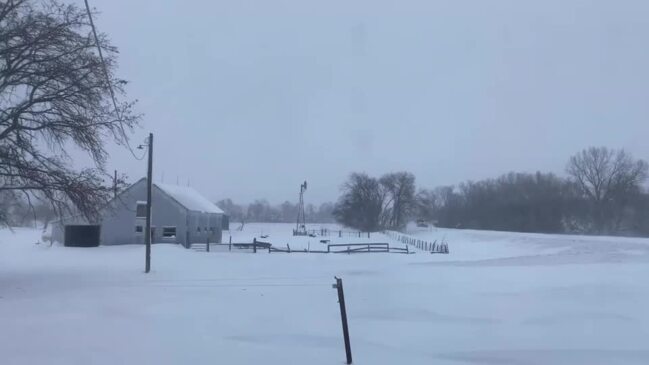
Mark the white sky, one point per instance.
(249, 98)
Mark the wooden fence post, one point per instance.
(208, 244)
(230, 246)
(254, 245)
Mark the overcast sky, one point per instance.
(247, 99)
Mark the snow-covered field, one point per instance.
(498, 298)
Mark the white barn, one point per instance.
(179, 214)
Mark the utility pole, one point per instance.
(149, 181)
(115, 185)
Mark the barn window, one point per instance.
(140, 210)
(138, 229)
(169, 232)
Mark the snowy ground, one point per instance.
(498, 298)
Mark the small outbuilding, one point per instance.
(179, 214)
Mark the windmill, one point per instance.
(300, 227)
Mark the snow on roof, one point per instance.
(189, 198)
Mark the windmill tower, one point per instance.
(300, 227)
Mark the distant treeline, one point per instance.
(603, 193)
(16, 211)
(262, 211)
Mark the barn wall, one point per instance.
(215, 221)
(204, 221)
(119, 221)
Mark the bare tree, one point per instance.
(360, 206)
(430, 203)
(288, 211)
(325, 213)
(234, 211)
(400, 202)
(607, 178)
(56, 95)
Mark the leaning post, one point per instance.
(343, 316)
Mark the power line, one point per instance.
(110, 85)
(228, 285)
(208, 284)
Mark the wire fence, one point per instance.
(432, 247)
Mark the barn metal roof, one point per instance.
(189, 198)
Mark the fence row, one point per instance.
(432, 247)
(254, 245)
(347, 248)
(326, 232)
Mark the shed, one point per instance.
(179, 214)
